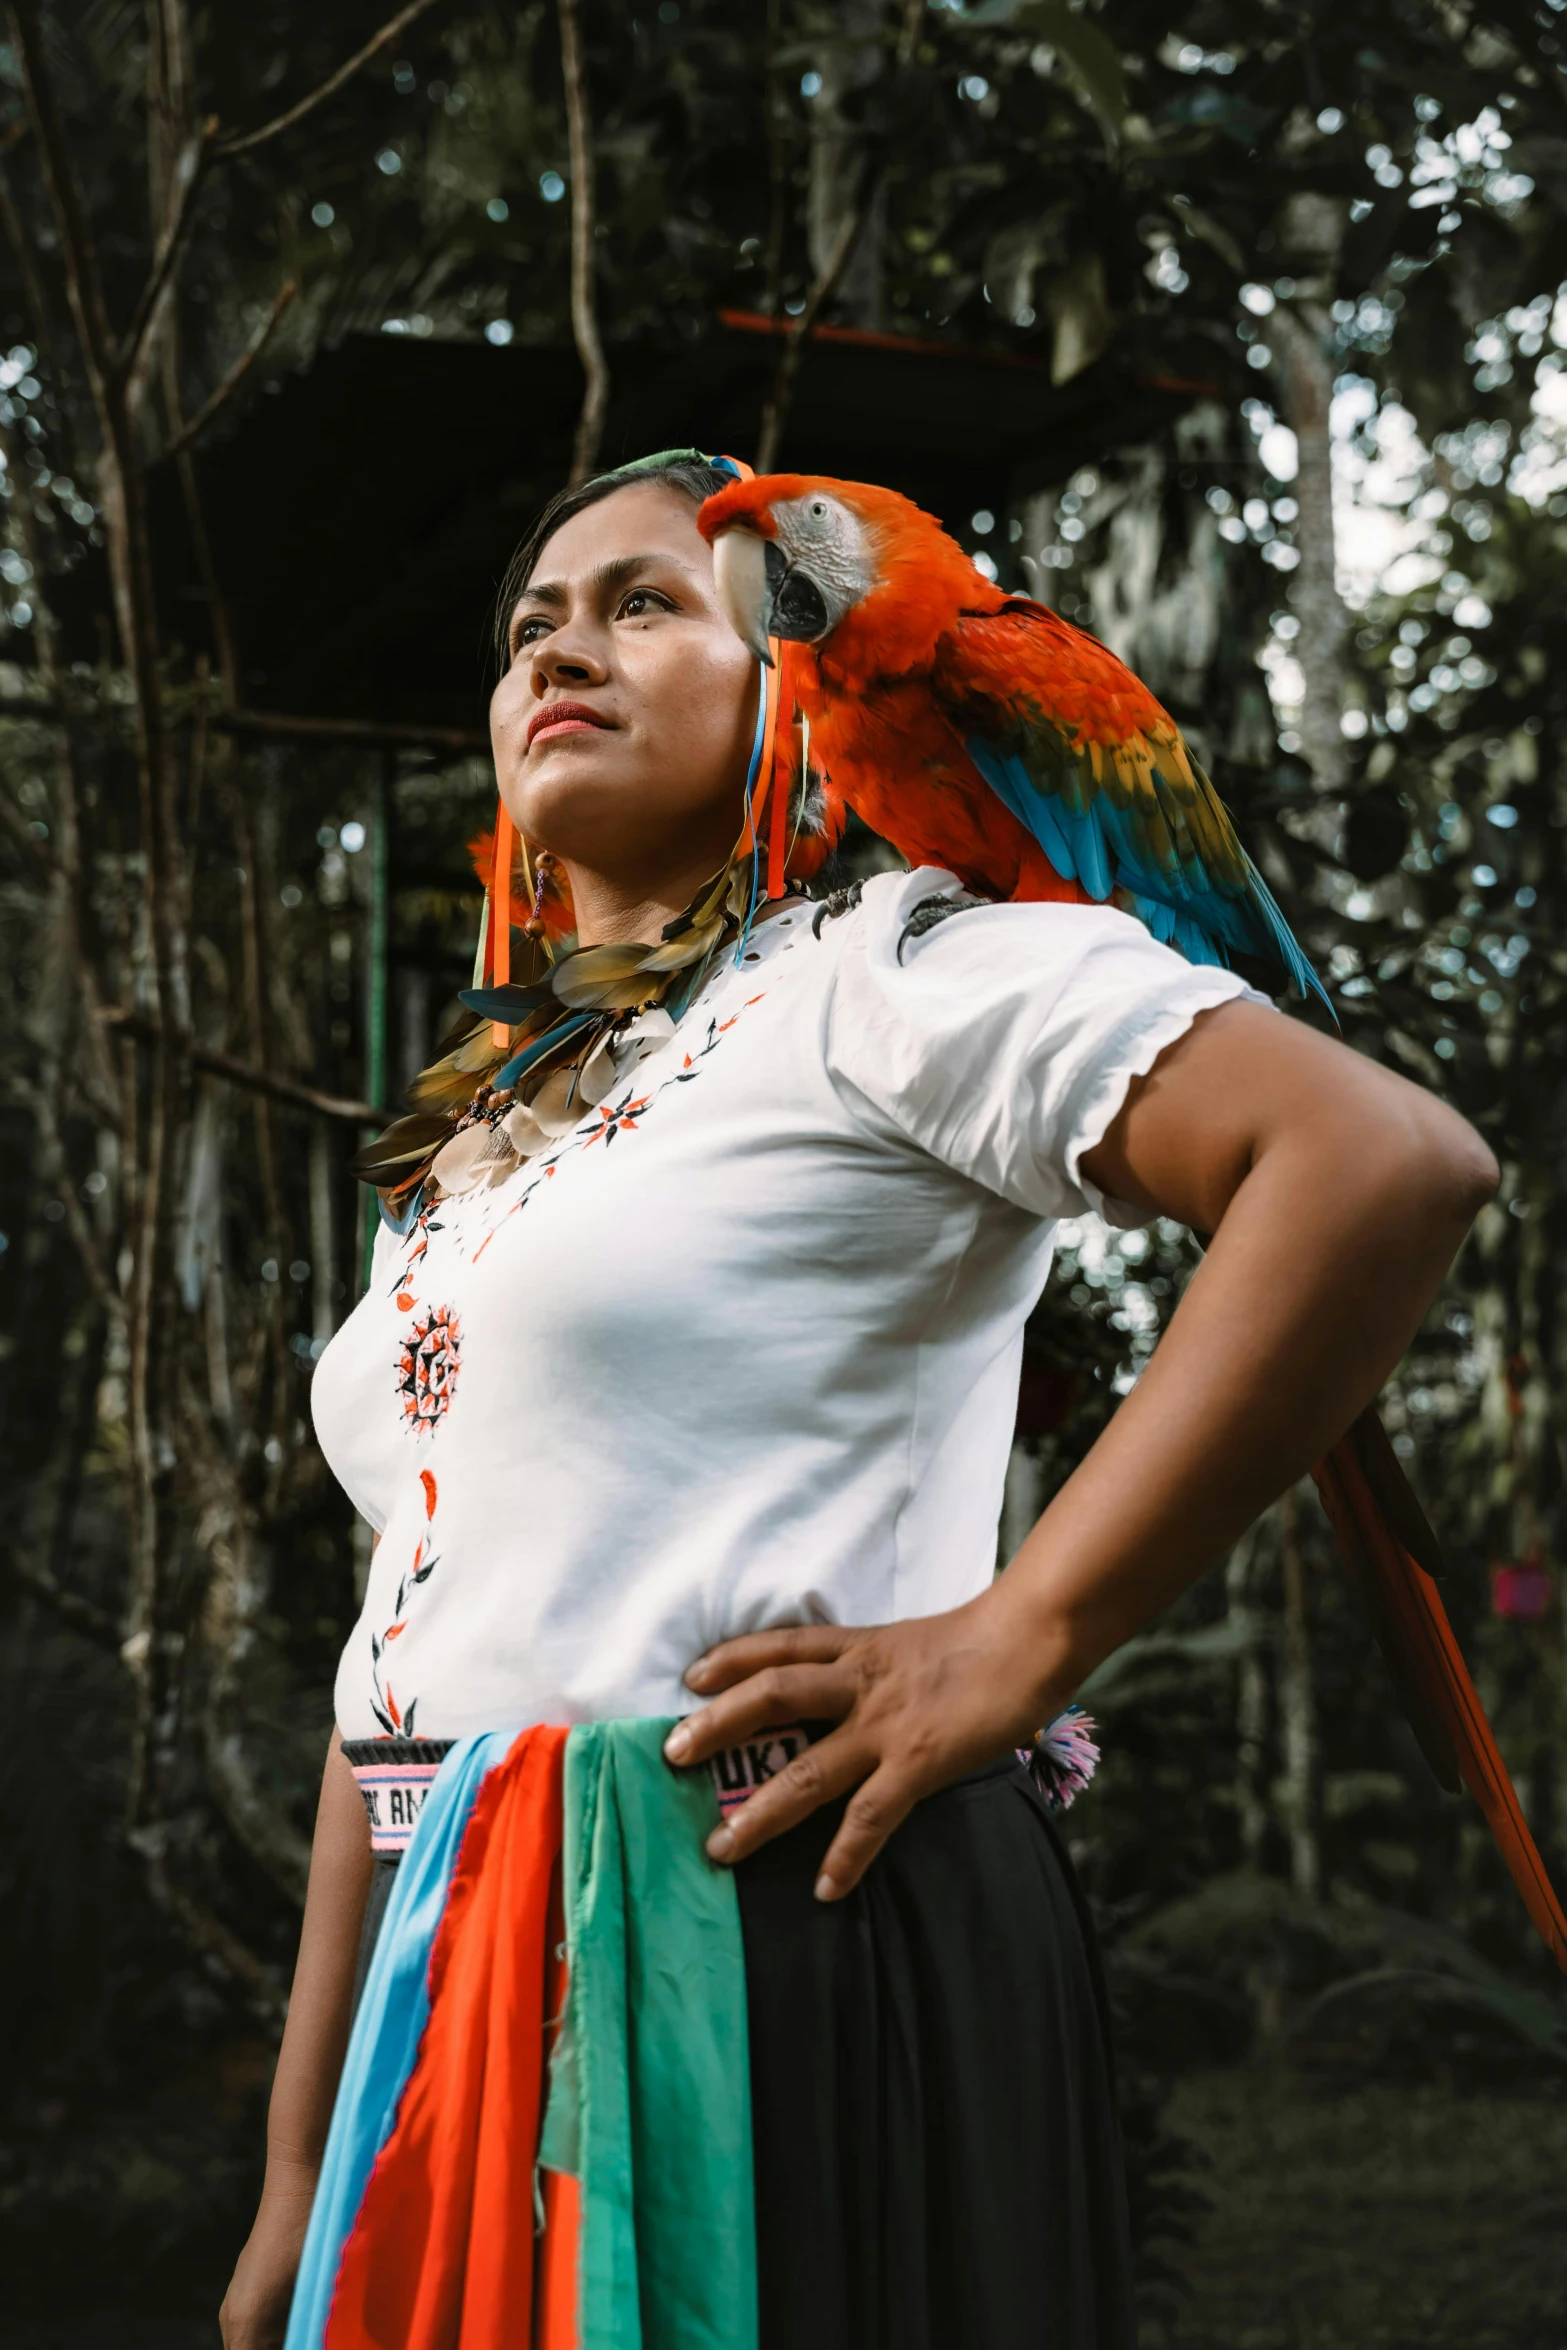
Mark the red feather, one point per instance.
(1425, 1660)
(557, 913)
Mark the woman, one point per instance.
(717, 1429)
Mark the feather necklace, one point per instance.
(533, 1055)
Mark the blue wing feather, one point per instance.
(511, 1003)
(536, 1047)
(1090, 839)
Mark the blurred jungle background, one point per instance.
(1236, 330)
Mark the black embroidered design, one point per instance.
(395, 1720)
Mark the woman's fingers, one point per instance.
(828, 1769)
(765, 1700)
(918, 1704)
(753, 1652)
(883, 1798)
(883, 1803)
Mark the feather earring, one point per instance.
(482, 947)
(533, 928)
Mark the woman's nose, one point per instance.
(565, 658)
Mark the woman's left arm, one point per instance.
(1337, 1196)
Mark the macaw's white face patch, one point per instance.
(826, 547)
(800, 583)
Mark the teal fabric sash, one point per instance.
(650, 2102)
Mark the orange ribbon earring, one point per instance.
(500, 914)
(780, 721)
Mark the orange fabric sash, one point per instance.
(444, 2255)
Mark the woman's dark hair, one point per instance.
(695, 477)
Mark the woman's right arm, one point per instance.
(254, 2315)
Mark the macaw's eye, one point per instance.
(818, 509)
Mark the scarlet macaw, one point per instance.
(980, 732)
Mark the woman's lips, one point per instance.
(563, 718)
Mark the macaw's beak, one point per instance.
(763, 594)
(740, 571)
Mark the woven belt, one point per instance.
(740, 1770)
(394, 1774)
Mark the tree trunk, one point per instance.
(236, 1601)
(156, 1122)
(323, 1237)
(1021, 1502)
(1311, 234)
(848, 65)
(1298, 1704)
(1251, 1699)
(584, 263)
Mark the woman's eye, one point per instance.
(641, 601)
(529, 633)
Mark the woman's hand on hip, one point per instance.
(917, 1704)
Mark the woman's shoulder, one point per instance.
(925, 921)
(1000, 1039)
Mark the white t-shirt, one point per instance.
(741, 1348)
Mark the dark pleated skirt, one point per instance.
(937, 2159)
(383, 1876)
(938, 2164)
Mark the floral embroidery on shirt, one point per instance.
(429, 1355)
(492, 1209)
(397, 1721)
(619, 1117)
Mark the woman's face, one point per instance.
(623, 727)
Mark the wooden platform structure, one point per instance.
(363, 512)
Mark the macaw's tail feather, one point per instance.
(1392, 1554)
